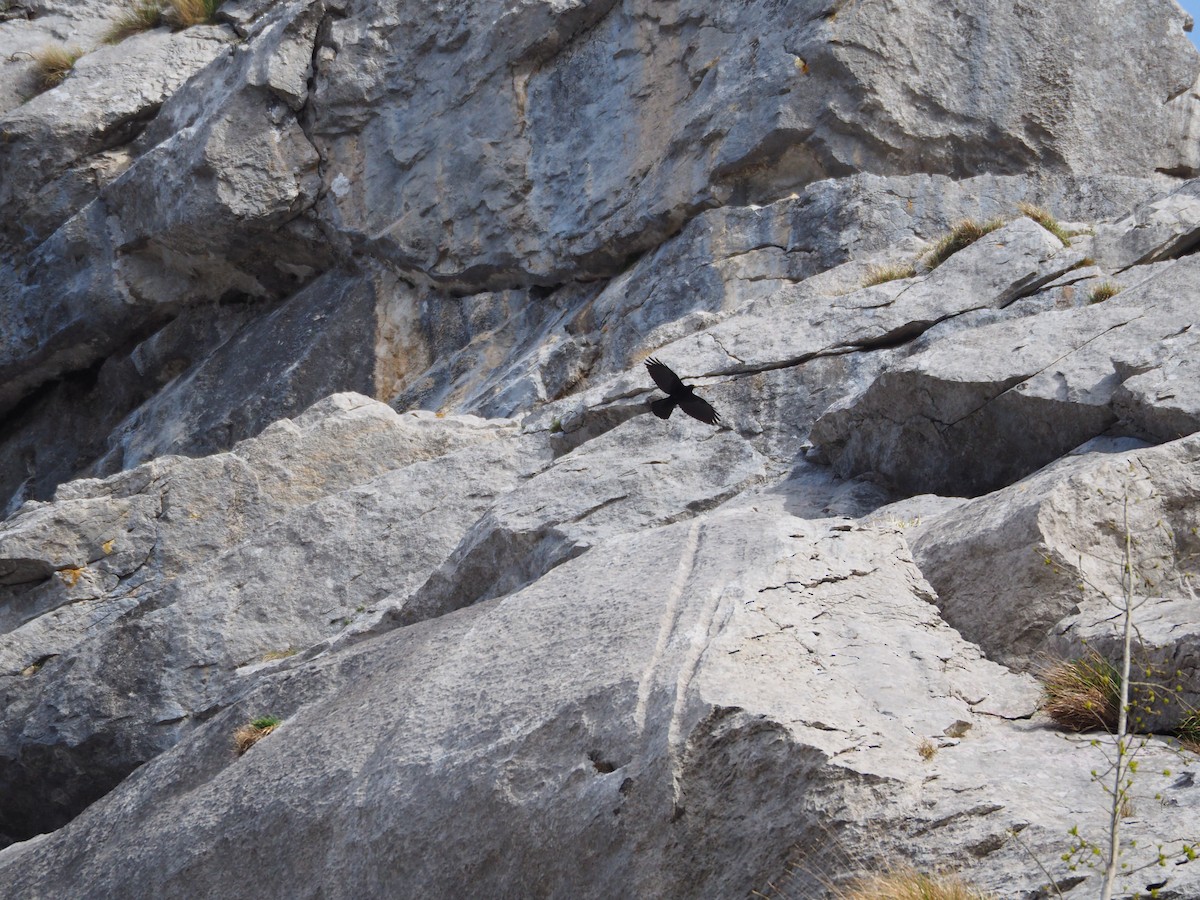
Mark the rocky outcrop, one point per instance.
(1034, 571)
(323, 399)
(135, 600)
(722, 705)
(977, 409)
(172, 171)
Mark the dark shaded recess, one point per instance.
(55, 431)
(45, 787)
(287, 357)
(125, 129)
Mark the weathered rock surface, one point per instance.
(134, 600)
(297, 144)
(1035, 570)
(565, 648)
(978, 409)
(642, 717)
(691, 106)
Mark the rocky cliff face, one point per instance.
(321, 332)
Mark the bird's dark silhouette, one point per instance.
(678, 394)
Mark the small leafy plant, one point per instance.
(961, 236)
(253, 732)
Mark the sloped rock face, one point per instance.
(134, 600)
(975, 410)
(322, 394)
(241, 162)
(782, 682)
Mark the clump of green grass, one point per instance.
(186, 13)
(906, 883)
(138, 16)
(881, 274)
(253, 732)
(1105, 290)
(962, 235)
(1082, 694)
(52, 65)
(1046, 220)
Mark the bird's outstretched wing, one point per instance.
(666, 380)
(663, 407)
(699, 409)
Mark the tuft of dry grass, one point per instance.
(1046, 220)
(1188, 732)
(906, 883)
(138, 16)
(961, 236)
(253, 732)
(927, 749)
(1105, 290)
(52, 65)
(186, 13)
(272, 655)
(881, 274)
(1082, 694)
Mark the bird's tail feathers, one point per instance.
(662, 407)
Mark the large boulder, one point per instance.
(129, 604)
(702, 720)
(978, 409)
(1034, 572)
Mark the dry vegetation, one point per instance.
(138, 16)
(909, 884)
(1188, 732)
(1082, 694)
(962, 235)
(1105, 290)
(880, 274)
(186, 13)
(253, 732)
(1046, 220)
(53, 64)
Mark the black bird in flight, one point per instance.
(678, 394)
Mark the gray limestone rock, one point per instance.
(586, 652)
(129, 603)
(696, 106)
(1035, 570)
(738, 693)
(980, 408)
